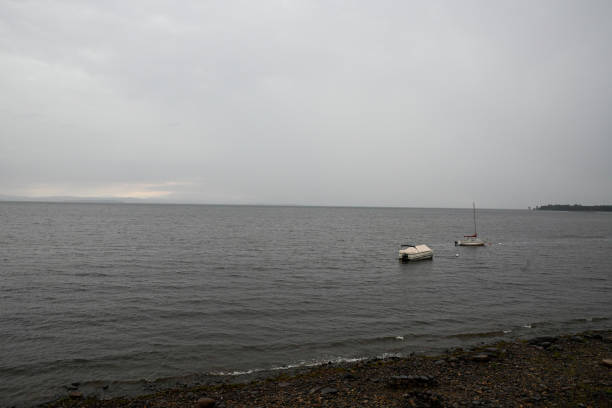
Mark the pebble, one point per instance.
(424, 399)
(481, 357)
(400, 381)
(313, 390)
(328, 390)
(607, 362)
(540, 341)
(205, 402)
(75, 395)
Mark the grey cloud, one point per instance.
(393, 103)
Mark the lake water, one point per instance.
(117, 296)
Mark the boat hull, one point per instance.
(406, 258)
(415, 253)
(469, 242)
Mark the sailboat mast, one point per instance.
(474, 207)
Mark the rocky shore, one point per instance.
(565, 371)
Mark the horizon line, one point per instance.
(144, 201)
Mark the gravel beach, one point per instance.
(565, 371)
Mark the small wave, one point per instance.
(343, 343)
(235, 373)
(390, 355)
(315, 363)
(593, 319)
(496, 333)
(577, 320)
(91, 274)
(575, 236)
(301, 364)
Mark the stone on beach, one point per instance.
(607, 362)
(544, 341)
(75, 395)
(481, 357)
(402, 381)
(424, 399)
(328, 391)
(205, 402)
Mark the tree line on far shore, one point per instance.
(574, 207)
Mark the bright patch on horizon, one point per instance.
(122, 190)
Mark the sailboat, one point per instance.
(471, 240)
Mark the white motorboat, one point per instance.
(471, 240)
(410, 252)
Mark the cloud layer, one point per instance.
(283, 102)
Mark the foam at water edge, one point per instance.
(314, 363)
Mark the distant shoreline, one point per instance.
(574, 207)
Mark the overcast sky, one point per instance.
(391, 103)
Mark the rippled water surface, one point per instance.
(115, 296)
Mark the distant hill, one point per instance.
(574, 207)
